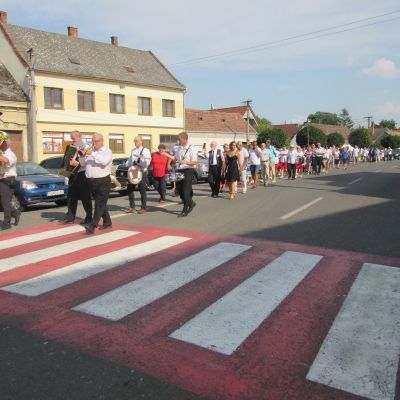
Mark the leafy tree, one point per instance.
(322, 117)
(345, 118)
(277, 136)
(316, 136)
(361, 137)
(387, 123)
(390, 141)
(335, 139)
(264, 125)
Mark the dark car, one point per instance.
(37, 185)
(54, 165)
(396, 154)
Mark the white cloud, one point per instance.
(382, 68)
(388, 110)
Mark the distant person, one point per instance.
(215, 163)
(232, 169)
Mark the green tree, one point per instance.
(345, 118)
(390, 141)
(316, 136)
(335, 139)
(263, 125)
(322, 117)
(361, 137)
(387, 123)
(277, 136)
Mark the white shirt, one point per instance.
(186, 153)
(319, 151)
(139, 156)
(214, 160)
(254, 159)
(11, 169)
(98, 164)
(265, 155)
(292, 157)
(244, 154)
(283, 156)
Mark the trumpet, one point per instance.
(82, 150)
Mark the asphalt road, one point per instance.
(356, 210)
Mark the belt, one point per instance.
(100, 177)
(265, 161)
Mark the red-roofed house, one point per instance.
(242, 110)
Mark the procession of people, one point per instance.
(231, 165)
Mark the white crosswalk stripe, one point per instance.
(360, 355)
(37, 237)
(120, 302)
(224, 325)
(92, 266)
(63, 249)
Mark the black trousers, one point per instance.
(185, 189)
(142, 189)
(214, 178)
(319, 160)
(160, 185)
(6, 194)
(100, 188)
(292, 170)
(79, 189)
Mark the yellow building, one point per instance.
(79, 84)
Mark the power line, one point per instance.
(291, 39)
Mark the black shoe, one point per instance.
(67, 221)
(85, 221)
(102, 227)
(89, 229)
(193, 205)
(5, 226)
(183, 214)
(16, 219)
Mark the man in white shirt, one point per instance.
(141, 157)
(185, 162)
(265, 157)
(319, 153)
(291, 161)
(8, 173)
(255, 162)
(243, 160)
(98, 162)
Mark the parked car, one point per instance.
(396, 154)
(34, 184)
(54, 165)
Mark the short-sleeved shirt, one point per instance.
(243, 155)
(254, 159)
(11, 168)
(186, 153)
(160, 165)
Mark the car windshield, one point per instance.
(30, 169)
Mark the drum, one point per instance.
(135, 174)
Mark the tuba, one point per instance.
(3, 166)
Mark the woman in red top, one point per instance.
(160, 161)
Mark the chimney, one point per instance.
(114, 40)
(3, 17)
(72, 32)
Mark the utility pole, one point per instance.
(369, 120)
(308, 132)
(248, 102)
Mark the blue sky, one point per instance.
(358, 69)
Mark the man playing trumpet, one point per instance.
(141, 158)
(8, 173)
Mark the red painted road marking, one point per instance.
(271, 364)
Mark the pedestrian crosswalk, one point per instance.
(244, 289)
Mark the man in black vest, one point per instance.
(215, 162)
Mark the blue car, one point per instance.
(36, 185)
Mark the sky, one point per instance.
(290, 57)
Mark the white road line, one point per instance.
(360, 354)
(129, 298)
(78, 271)
(355, 181)
(62, 249)
(37, 237)
(294, 212)
(224, 325)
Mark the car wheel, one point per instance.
(61, 203)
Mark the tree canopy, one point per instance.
(390, 141)
(361, 137)
(277, 136)
(345, 118)
(322, 117)
(264, 125)
(316, 136)
(387, 123)
(335, 139)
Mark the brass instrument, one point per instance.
(82, 150)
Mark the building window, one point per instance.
(85, 101)
(169, 140)
(144, 105)
(117, 103)
(116, 143)
(53, 98)
(52, 142)
(168, 108)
